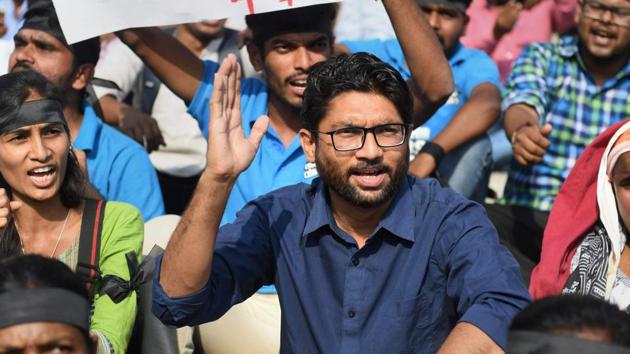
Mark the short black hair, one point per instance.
(34, 271)
(315, 18)
(360, 72)
(574, 313)
(459, 4)
(41, 16)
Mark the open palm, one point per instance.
(229, 151)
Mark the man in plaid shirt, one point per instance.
(559, 97)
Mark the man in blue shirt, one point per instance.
(366, 259)
(453, 141)
(117, 166)
(285, 45)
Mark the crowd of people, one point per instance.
(331, 181)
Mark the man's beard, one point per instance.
(339, 181)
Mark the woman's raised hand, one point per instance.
(229, 151)
(6, 208)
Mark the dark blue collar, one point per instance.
(398, 220)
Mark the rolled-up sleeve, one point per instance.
(482, 275)
(243, 261)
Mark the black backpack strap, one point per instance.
(150, 84)
(150, 87)
(96, 81)
(90, 241)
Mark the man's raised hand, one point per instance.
(229, 151)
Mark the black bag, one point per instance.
(149, 334)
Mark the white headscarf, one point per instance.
(609, 215)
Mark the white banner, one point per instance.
(83, 19)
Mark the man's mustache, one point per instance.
(21, 66)
(369, 166)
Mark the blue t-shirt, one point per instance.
(118, 167)
(470, 68)
(274, 165)
(433, 260)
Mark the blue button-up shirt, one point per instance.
(433, 260)
(118, 167)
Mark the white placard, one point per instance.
(83, 19)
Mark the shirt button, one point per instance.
(351, 314)
(355, 261)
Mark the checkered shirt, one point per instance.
(551, 78)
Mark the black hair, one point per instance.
(34, 271)
(86, 52)
(42, 16)
(315, 18)
(15, 88)
(573, 313)
(464, 3)
(360, 72)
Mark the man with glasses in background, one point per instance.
(365, 259)
(559, 97)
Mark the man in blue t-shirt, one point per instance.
(453, 141)
(117, 167)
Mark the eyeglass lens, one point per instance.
(596, 10)
(388, 135)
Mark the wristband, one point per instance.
(434, 150)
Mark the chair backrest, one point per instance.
(157, 231)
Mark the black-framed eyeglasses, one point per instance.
(353, 138)
(595, 10)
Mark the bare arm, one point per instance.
(431, 79)
(176, 66)
(468, 339)
(473, 119)
(529, 139)
(186, 265)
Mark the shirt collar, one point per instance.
(568, 46)
(90, 127)
(459, 55)
(398, 220)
